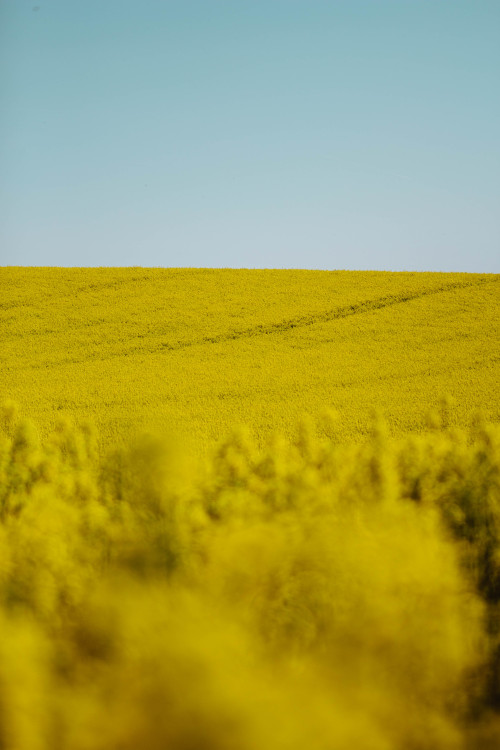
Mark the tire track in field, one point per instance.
(302, 321)
(336, 313)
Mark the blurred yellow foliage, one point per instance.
(303, 593)
(325, 577)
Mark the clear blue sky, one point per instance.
(351, 134)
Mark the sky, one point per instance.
(340, 134)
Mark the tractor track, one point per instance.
(303, 321)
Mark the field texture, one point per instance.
(197, 351)
(322, 578)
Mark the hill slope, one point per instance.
(197, 350)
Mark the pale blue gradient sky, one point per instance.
(251, 133)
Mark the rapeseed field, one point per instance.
(196, 351)
(249, 510)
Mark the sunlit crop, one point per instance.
(196, 351)
(237, 513)
(303, 594)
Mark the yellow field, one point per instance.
(321, 579)
(197, 351)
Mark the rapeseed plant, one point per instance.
(292, 582)
(297, 593)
